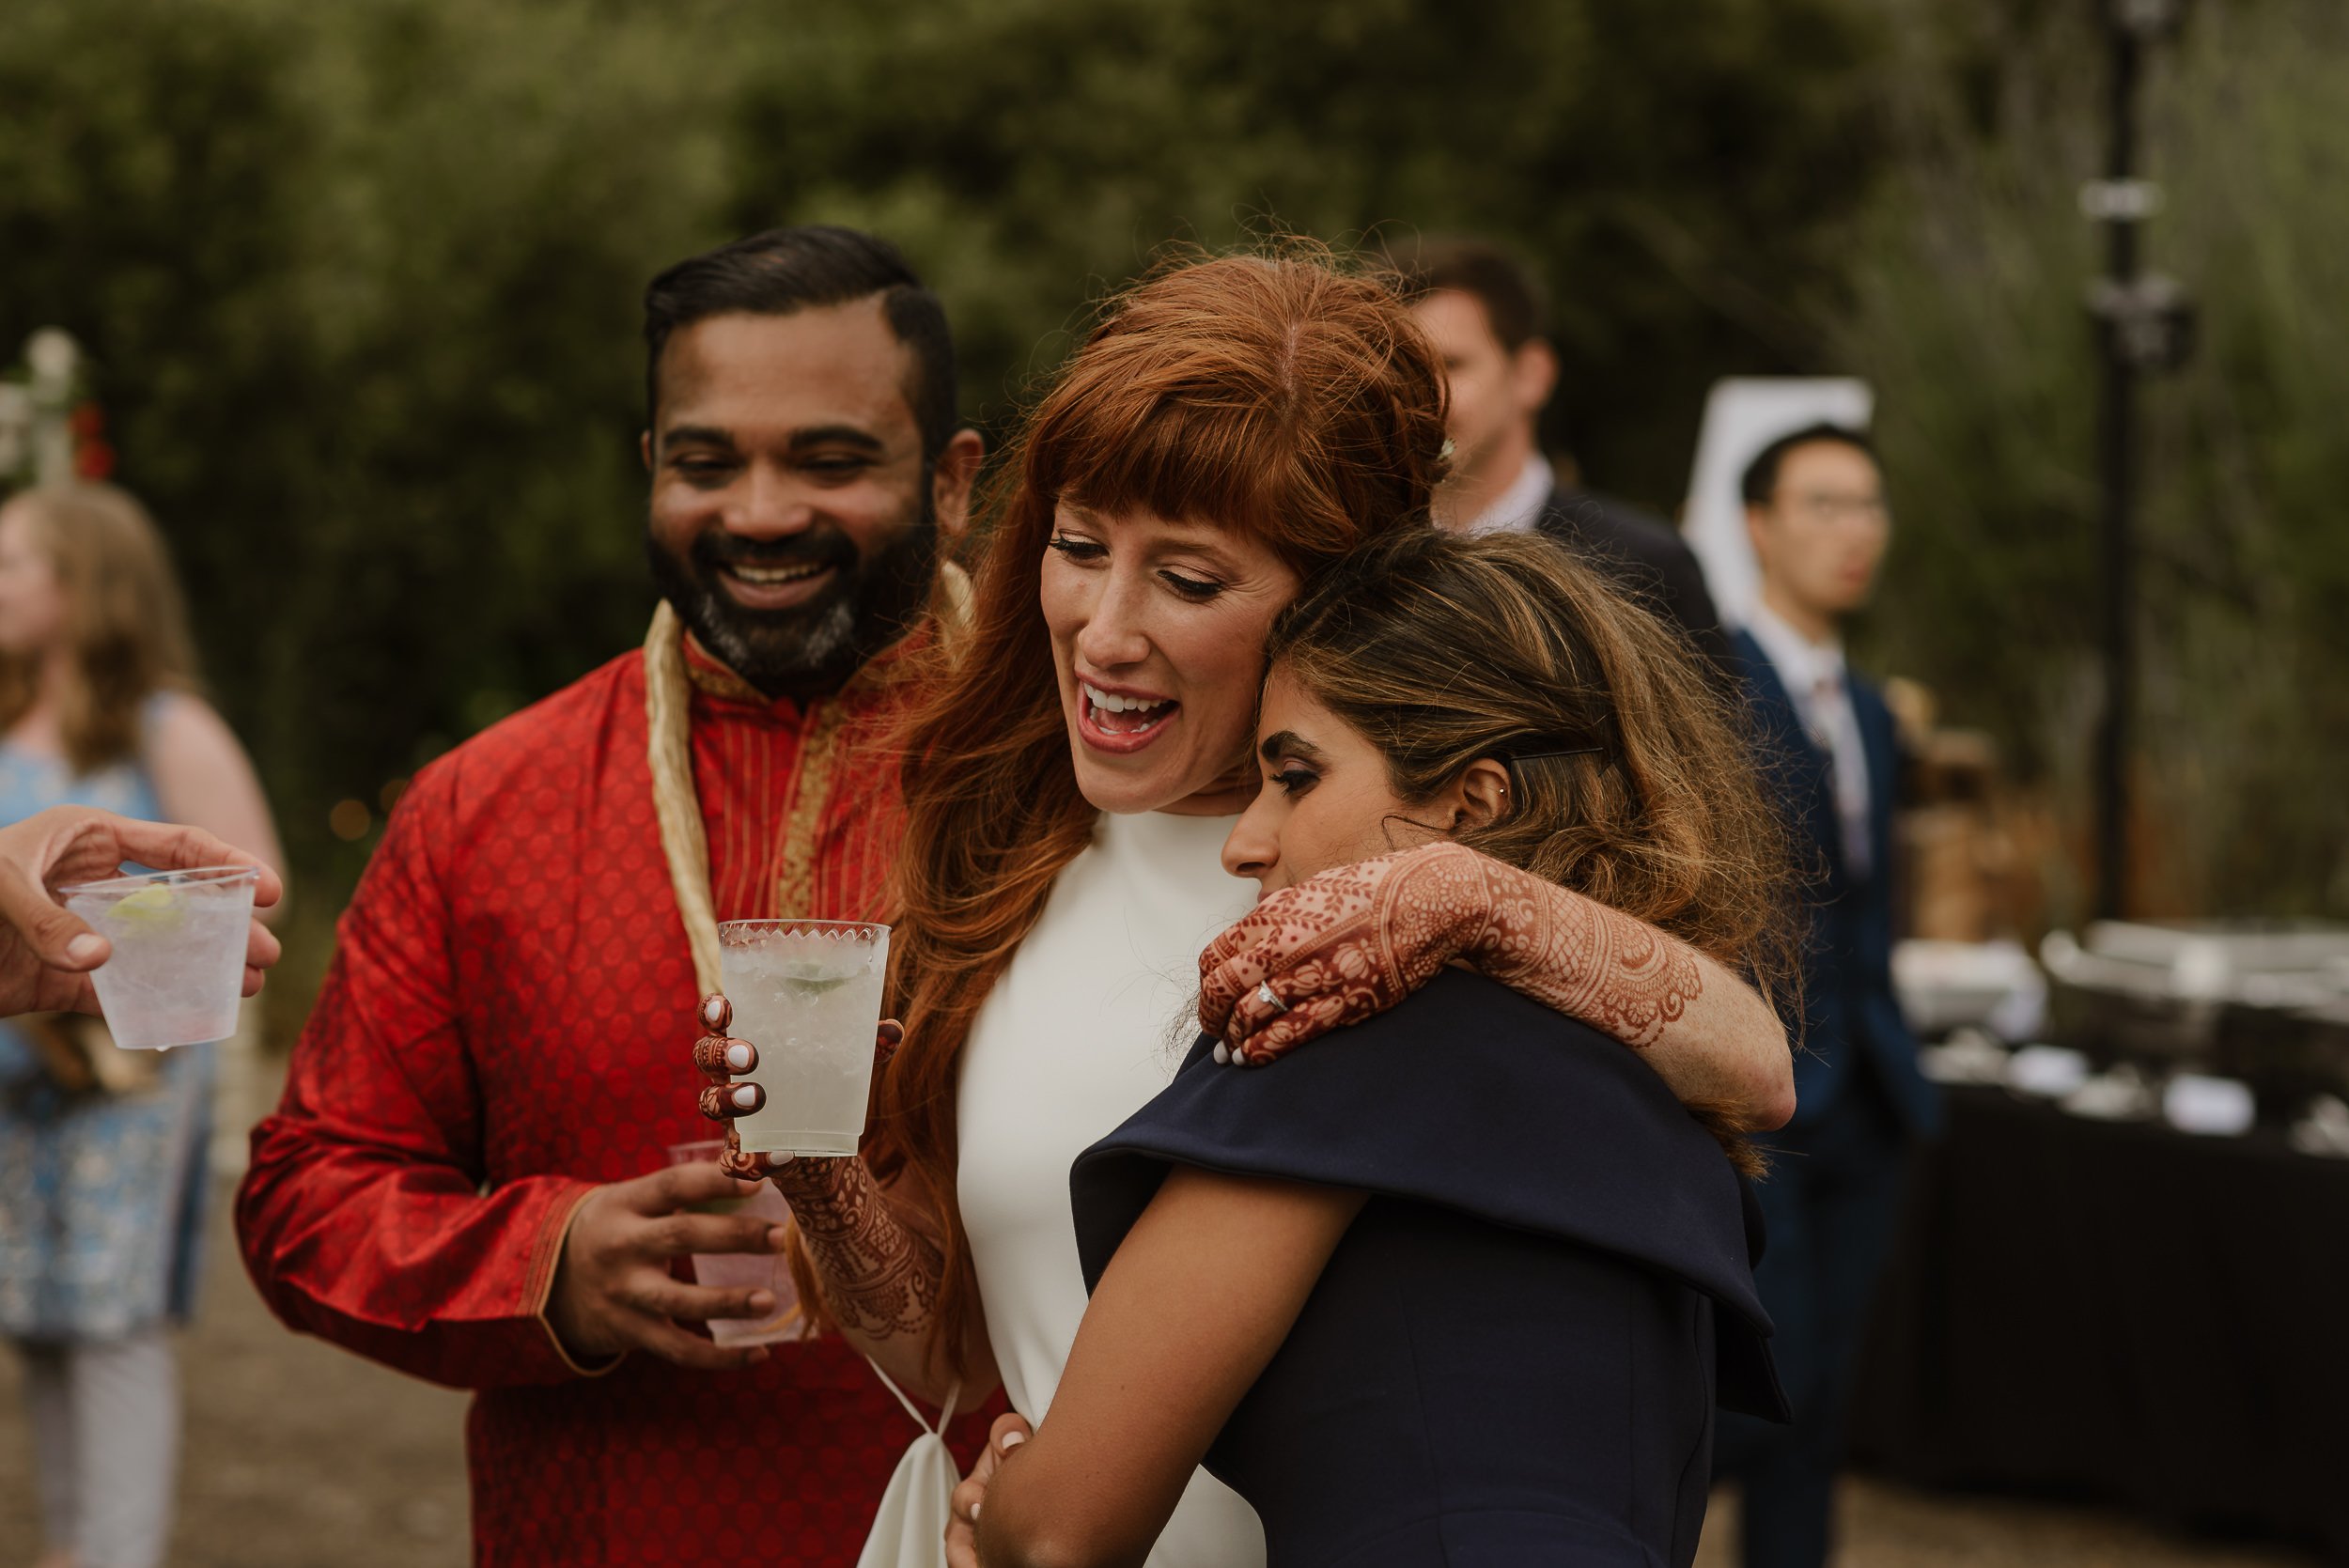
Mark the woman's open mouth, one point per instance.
(1120, 720)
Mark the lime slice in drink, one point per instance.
(814, 979)
(152, 909)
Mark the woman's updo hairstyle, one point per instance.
(1631, 772)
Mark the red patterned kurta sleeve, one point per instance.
(363, 1218)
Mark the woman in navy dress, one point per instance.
(1465, 1284)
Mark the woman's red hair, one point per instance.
(1278, 394)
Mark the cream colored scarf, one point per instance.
(668, 724)
(684, 841)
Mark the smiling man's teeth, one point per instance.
(1108, 703)
(768, 576)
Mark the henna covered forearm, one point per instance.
(1622, 976)
(880, 1274)
(1357, 939)
(1712, 1037)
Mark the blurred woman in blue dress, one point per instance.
(102, 1149)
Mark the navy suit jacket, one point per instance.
(1850, 1013)
(1645, 557)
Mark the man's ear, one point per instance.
(1481, 798)
(1533, 374)
(644, 449)
(1758, 533)
(951, 479)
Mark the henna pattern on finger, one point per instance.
(710, 1055)
(747, 1167)
(721, 1102)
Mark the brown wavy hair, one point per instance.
(1279, 395)
(1630, 773)
(126, 625)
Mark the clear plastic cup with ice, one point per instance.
(807, 993)
(177, 973)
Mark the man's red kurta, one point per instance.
(505, 1026)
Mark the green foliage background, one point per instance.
(361, 281)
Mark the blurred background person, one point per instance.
(101, 1150)
(1489, 322)
(1814, 505)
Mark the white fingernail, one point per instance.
(1222, 1054)
(746, 1096)
(1013, 1440)
(738, 1058)
(975, 1512)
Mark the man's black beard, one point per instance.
(811, 649)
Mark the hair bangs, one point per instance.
(1182, 458)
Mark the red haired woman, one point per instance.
(1230, 429)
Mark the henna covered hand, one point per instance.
(1339, 948)
(880, 1276)
(1355, 940)
(719, 1057)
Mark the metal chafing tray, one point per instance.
(2267, 1002)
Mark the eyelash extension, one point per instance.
(1191, 587)
(1296, 779)
(1076, 549)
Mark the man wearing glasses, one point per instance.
(1814, 507)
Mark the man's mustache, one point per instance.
(821, 547)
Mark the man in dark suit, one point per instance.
(1485, 316)
(1814, 505)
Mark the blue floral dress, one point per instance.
(100, 1196)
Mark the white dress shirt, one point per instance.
(1516, 509)
(1816, 677)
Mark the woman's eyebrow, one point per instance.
(1282, 744)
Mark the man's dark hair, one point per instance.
(1761, 478)
(811, 266)
(1486, 272)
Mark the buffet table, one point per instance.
(2121, 1313)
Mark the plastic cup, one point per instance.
(177, 973)
(807, 993)
(734, 1270)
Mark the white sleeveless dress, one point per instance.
(1085, 1028)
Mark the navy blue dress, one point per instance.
(1515, 1352)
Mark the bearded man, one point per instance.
(466, 1178)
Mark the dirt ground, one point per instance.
(298, 1455)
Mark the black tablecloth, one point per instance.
(2122, 1313)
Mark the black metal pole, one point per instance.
(2117, 459)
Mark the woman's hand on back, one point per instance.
(962, 1529)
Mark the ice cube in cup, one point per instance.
(807, 993)
(734, 1270)
(177, 973)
